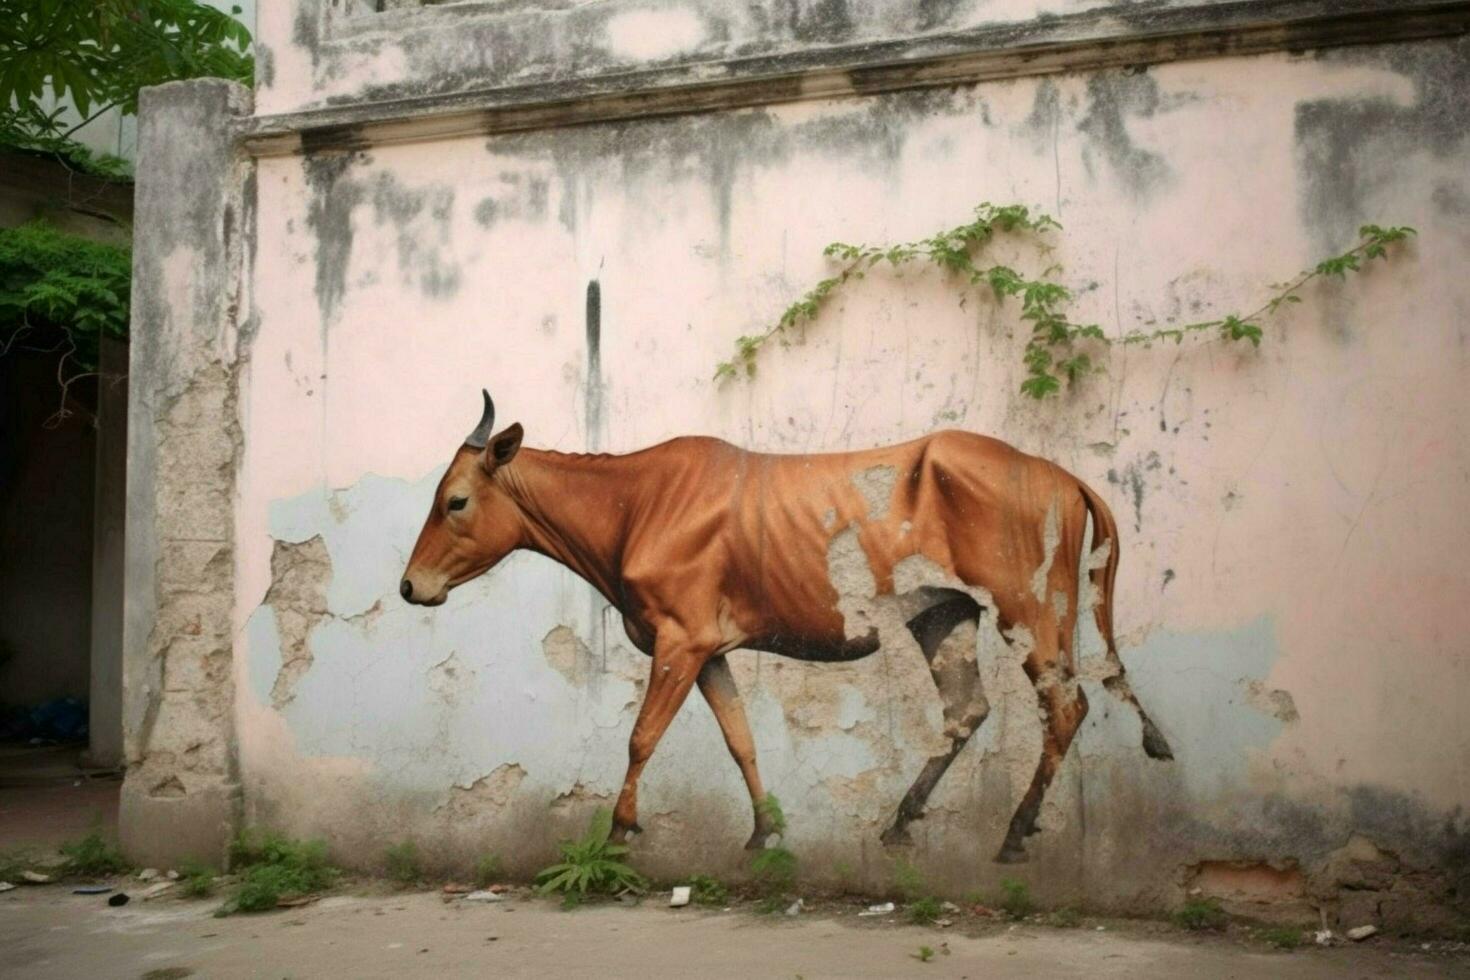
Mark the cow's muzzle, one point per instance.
(420, 596)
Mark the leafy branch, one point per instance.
(1056, 345)
(95, 56)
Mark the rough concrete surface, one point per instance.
(48, 932)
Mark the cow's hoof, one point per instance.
(758, 839)
(1011, 854)
(896, 836)
(623, 834)
(1155, 746)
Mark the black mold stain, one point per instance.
(485, 212)
(819, 20)
(265, 65)
(719, 148)
(1350, 149)
(1046, 112)
(525, 197)
(306, 32)
(418, 242)
(329, 216)
(1112, 97)
(249, 200)
(1131, 479)
(594, 363)
(931, 14)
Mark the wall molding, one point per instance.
(1081, 42)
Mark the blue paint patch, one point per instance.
(1194, 687)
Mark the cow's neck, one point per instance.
(575, 509)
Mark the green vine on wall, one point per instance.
(1056, 347)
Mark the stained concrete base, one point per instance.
(47, 932)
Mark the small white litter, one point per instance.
(1361, 933)
(5, 886)
(147, 874)
(882, 909)
(1324, 937)
(795, 907)
(484, 896)
(679, 897)
(35, 878)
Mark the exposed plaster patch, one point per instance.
(876, 484)
(300, 573)
(1088, 594)
(567, 654)
(1259, 889)
(1051, 536)
(489, 794)
(577, 798)
(1276, 703)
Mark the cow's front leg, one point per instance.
(676, 665)
(717, 685)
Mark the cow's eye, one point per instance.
(457, 503)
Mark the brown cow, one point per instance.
(706, 548)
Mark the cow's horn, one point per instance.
(481, 435)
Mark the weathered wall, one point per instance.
(1294, 540)
(181, 795)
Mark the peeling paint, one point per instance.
(299, 576)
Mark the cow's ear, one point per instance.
(503, 447)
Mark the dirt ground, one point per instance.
(48, 932)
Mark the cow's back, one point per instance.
(949, 496)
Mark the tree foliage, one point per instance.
(50, 280)
(99, 54)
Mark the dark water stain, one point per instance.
(524, 197)
(720, 149)
(421, 217)
(1349, 150)
(329, 217)
(1112, 98)
(594, 363)
(819, 20)
(1132, 480)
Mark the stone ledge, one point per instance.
(1088, 41)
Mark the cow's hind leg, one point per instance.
(946, 634)
(1063, 706)
(717, 685)
(1155, 746)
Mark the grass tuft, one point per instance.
(94, 857)
(1201, 915)
(402, 860)
(590, 865)
(275, 868)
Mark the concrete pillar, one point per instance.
(181, 796)
(109, 512)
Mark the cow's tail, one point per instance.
(1104, 534)
(1103, 575)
